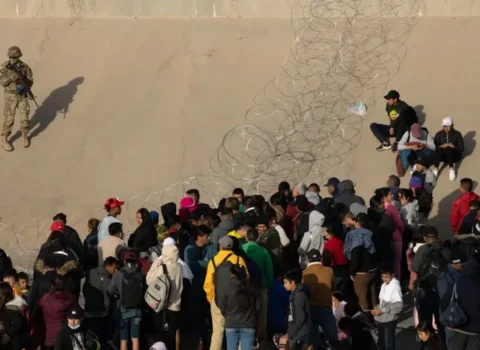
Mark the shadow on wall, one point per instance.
(422, 116)
(58, 101)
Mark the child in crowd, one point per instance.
(386, 313)
(338, 306)
(299, 317)
(429, 339)
(10, 276)
(22, 284)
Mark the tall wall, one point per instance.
(211, 8)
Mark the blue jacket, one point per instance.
(278, 301)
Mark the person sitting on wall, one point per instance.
(401, 117)
(449, 148)
(415, 143)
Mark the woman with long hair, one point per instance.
(240, 306)
(55, 305)
(12, 317)
(145, 236)
(429, 339)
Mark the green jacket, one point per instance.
(263, 260)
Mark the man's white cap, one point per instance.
(447, 121)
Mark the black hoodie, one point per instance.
(299, 316)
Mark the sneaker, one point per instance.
(452, 174)
(395, 147)
(413, 168)
(384, 146)
(435, 171)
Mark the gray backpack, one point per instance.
(158, 293)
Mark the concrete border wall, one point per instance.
(206, 8)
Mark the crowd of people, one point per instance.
(302, 269)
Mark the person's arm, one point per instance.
(430, 142)
(355, 263)
(112, 288)
(399, 225)
(268, 269)
(455, 218)
(208, 284)
(304, 244)
(402, 143)
(283, 236)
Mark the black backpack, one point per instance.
(132, 289)
(221, 275)
(432, 264)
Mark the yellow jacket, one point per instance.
(208, 285)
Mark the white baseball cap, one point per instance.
(447, 121)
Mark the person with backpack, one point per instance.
(127, 286)
(430, 263)
(240, 305)
(98, 304)
(165, 275)
(263, 260)
(415, 143)
(217, 277)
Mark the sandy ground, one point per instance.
(138, 109)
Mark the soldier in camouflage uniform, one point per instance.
(15, 75)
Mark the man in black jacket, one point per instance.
(470, 222)
(73, 336)
(401, 117)
(98, 305)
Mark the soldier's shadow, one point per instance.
(57, 102)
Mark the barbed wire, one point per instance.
(299, 126)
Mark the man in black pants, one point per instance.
(401, 117)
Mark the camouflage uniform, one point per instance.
(15, 98)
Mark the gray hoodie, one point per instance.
(391, 302)
(409, 214)
(313, 238)
(222, 230)
(426, 139)
(347, 196)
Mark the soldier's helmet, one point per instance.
(14, 52)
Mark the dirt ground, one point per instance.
(143, 109)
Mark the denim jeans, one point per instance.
(386, 335)
(407, 154)
(322, 317)
(244, 336)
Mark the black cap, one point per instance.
(430, 232)
(75, 313)
(314, 255)
(333, 181)
(392, 94)
(458, 255)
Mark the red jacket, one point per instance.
(460, 208)
(55, 308)
(335, 246)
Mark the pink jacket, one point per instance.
(391, 210)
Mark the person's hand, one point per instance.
(443, 146)
(415, 148)
(392, 132)
(12, 75)
(376, 312)
(451, 145)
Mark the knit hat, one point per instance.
(416, 182)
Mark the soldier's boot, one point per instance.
(26, 140)
(6, 146)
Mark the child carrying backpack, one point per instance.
(128, 286)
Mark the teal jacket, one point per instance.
(263, 260)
